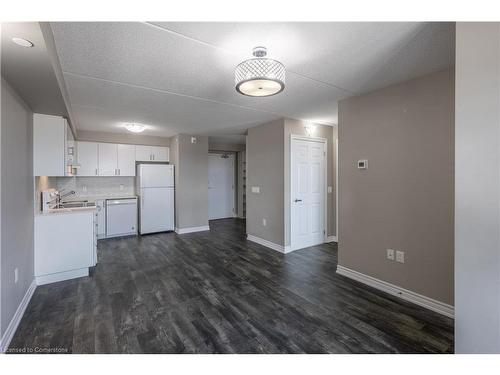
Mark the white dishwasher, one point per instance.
(121, 217)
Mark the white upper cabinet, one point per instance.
(151, 153)
(105, 159)
(108, 159)
(159, 153)
(87, 153)
(143, 153)
(126, 160)
(49, 145)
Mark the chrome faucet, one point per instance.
(59, 196)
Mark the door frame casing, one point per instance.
(288, 200)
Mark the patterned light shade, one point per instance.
(260, 76)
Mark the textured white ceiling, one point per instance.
(178, 77)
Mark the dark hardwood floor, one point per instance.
(215, 292)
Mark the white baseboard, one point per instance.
(331, 239)
(61, 276)
(16, 319)
(408, 295)
(192, 229)
(282, 249)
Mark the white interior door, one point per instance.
(220, 186)
(307, 193)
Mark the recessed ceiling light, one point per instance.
(135, 128)
(260, 76)
(22, 42)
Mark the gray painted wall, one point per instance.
(268, 166)
(191, 195)
(296, 127)
(477, 221)
(265, 168)
(17, 196)
(405, 199)
(136, 139)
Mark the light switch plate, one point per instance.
(390, 254)
(256, 189)
(330, 189)
(400, 256)
(194, 140)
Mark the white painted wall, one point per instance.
(477, 188)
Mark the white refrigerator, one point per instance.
(155, 188)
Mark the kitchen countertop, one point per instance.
(65, 211)
(89, 198)
(93, 198)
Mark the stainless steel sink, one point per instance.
(76, 204)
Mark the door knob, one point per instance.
(298, 200)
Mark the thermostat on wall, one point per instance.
(362, 164)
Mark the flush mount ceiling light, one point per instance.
(135, 128)
(22, 42)
(260, 76)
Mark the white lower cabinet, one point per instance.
(64, 245)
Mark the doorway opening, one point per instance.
(221, 185)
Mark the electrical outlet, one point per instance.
(16, 275)
(363, 164)
(400, 256)
(330, 189)
(390, 254)
(84, 188)
(264, 222)
(256, 189)
(122, 187)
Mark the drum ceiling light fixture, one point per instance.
(260, 76)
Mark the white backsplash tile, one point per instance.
(97, 186)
